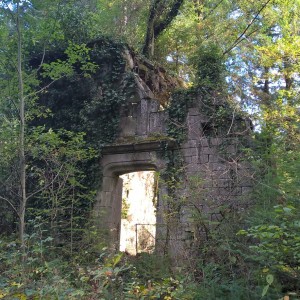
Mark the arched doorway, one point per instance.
(118, 160)
(138, 213)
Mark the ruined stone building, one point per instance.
(142, 119)
(197, 154)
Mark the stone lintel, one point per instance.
(139, 147)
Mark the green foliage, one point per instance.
(273, 229)
(47, 275)
(177, 112)
(151, 267)
(177, 130)
(167, 288)
(77, 55)
(263, 60)
(44, 275)
(56, 178)
(278, 244)
(125, 208)
(91, 104)
(124, 20)
(269, 279)
(210, 67)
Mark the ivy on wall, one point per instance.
(177, 113)
(90, 103)
(209, 96)
(177, 130)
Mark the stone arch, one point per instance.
(118, 160)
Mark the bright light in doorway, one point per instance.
(138, 219)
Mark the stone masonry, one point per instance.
(215, 177)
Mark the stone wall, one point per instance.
(214, 176)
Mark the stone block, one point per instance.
(246, 182)
(123, 163)
(143, 156)
(193, 120)
(142, 147)
(223, 183)
(214, 158)
(193, 168)
(106, 199)
(246, 190)
(189, 173)
(213, 194)
(207, 184)
(237, 191)
(207, 170)
(215, 141)
(120, 158)
(107, 185)
(190, 144)
(245, 173)
(207, 150)
(231, 149)
(127, 126)
(194, 159)
(157, 122)
(142, 124)
(190, 152)
(244, 165)
(218, 166)
(204, 118)
(104, 212)
(204, 158)
(203, 142)
(194, 132)
(188, 159)
(153, 105)
(222, 174)
(117, 157)
(223, 191)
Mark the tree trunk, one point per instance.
(149, 39)
(154, 28)
(23, 196)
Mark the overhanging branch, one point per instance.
(11, 205)
(241, 36)
(159, 28)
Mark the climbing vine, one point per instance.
(176, 130)
(177, 110)
(90, 103)
(113, 86)
(207, 95)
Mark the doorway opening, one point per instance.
(138, 214)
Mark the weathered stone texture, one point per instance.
(140, 146)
